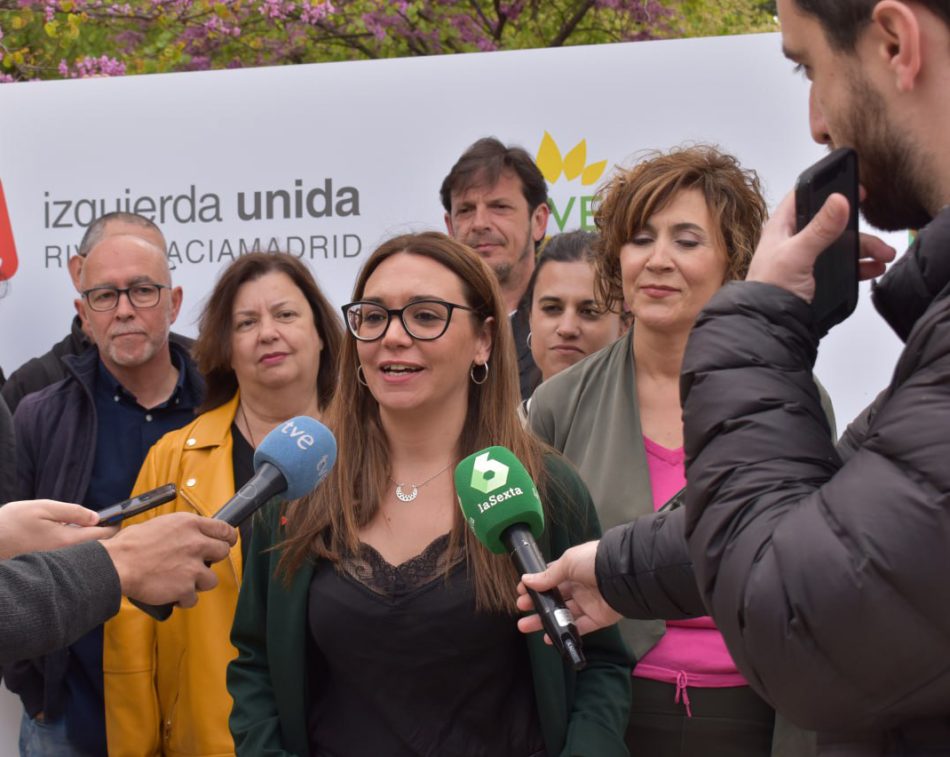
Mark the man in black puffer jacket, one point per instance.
(828, 577)
(825, 569)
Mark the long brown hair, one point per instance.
(212, 349)
(326, 523)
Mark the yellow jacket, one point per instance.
(165, 690)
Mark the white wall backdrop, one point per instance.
(378, 138)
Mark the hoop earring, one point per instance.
(471, 373)
(359, 375)
(529, 340)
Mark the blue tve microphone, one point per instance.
(290, 461)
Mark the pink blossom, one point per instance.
(313, 14)
(90, 66)
(374, 26)
(278, 9)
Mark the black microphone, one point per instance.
(291, 460)
(501, 505)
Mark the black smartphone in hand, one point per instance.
(675, 502)
(836, 269)
(113, 515)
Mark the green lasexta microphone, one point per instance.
(501, 505)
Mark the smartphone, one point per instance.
(836, 269)
(115, 514)
(675, 502)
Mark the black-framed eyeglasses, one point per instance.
(141, 296)
(423, 319)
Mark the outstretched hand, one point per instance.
(787, 259)
(574, 575)
(43, 524)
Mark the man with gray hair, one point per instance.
(48, 368)
(83, 440)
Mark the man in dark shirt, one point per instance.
(83, 439)
(39, 372)
(495, 201)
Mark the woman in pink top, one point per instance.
(674, 229)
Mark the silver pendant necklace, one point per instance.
(407, 496)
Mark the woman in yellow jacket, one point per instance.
(267, 346)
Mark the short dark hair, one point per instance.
(97, 229)
(569, 247)
(483, 164)
(844, 20)
(212, 349)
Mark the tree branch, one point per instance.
(572, 23)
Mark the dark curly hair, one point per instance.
(484, 162)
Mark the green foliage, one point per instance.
(709, 18)
(47, 39)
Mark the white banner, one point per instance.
(326, 161)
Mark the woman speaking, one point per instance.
(370, 619)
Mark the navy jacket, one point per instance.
(39, 372)
(56, 447)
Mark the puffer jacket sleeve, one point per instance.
(644, 569)
(854, 435)
(827, 579)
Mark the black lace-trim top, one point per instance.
(370, 568)
(401, 664)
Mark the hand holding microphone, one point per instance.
(290, 461)
(574, 575)
(501, 505)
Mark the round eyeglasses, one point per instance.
(422, 319)
(141, 296)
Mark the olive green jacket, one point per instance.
(589, 413)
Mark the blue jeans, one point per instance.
(45, 738)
